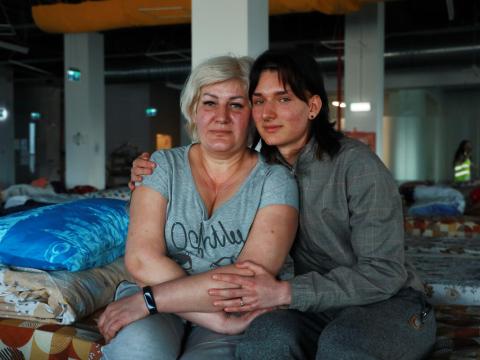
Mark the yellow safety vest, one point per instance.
(462, 171)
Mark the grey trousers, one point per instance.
(402, 327)
(166, 336)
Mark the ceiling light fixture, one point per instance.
(360, 106)
(337, 104)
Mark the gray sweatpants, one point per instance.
(390, 329)
(166, 336)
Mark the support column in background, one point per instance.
(220, 27)
(364, 70)
(7, 129)
(85, 111)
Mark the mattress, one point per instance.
(458, 333)
(449, 266)
(26, 339)
(58, 297)
(458, 226)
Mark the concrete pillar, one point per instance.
(364, 69)
(415, 119)
(7, 132)
(219, 27)
(85, 111)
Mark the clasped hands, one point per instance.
(254, 294)
(261, 291)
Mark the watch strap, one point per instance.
(149, 300)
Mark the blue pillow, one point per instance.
(71, 236)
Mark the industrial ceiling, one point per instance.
(143, 42)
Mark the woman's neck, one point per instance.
(221, 169)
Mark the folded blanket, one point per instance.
(437, 200)
(60, 297)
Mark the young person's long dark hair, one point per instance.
(303, 74)
(463, 151)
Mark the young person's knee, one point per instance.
(275, 335)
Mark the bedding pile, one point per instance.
(62, 262)
(59, 297)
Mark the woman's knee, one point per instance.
(155, 337)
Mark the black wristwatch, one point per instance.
(149, 300)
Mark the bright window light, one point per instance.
(3, 114)
(360, 106)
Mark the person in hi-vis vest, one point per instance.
(462, 162)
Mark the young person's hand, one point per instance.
(233, 324)
(141, 166)
(261, 291)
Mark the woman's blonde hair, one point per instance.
(211, 71)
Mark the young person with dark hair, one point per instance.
(462, 162)
(353, 295)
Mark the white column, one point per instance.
(7, 129)
(85, 111)
(364, 69)
(219, 27)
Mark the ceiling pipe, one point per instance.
(148, 72)
(326, 62)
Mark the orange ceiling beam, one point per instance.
(102, 15)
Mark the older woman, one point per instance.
(212, 203)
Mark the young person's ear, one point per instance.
(314, 106)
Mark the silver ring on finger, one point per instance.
(242, 303)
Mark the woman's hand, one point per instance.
(120, 313)
(262, 291)
(141, 166)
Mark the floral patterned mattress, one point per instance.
(458, 333)
(453, 226)
(450, 268)
(28, 339)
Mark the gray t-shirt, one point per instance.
(195, 241)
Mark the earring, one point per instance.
(311, 116)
